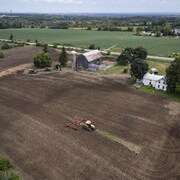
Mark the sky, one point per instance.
(90, 6)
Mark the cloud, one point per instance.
(56, 1)
(163, 1)
(65, 1)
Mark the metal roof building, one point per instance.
(85, 59)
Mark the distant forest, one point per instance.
(91, 22)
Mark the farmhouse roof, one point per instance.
(153, 77)
(153, 69)
(93, 55)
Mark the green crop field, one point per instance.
(81, 38)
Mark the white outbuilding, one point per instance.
(156, 81)
(153, 71)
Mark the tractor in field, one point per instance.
(85, 124)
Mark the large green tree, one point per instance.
(139, 68)
(140, 52)
(63, 57)
(42, 60)
(173, 76)
(129, 54)
(125, 57)
(167, 30)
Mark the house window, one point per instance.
(163, 87)
(158, 86)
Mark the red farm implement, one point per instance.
(75, 123)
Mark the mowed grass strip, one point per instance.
(151, 90)
(142, 119)
(132, 147)
(162, 46)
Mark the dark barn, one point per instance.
(83, 60)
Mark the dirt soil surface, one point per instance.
(34, 111)
(18, 56)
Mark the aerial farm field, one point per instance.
(136, 136)
(81, 38)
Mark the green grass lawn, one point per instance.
(160, 93)
(113, 70)
(82, 38)
(160, 65)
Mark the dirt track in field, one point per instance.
(35, 110)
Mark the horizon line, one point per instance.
(88, 12)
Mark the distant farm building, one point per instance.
(147, 33)
(177, 31)
(83, 61)
(156, 81)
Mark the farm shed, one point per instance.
(156, 81)
(84, 60)
(153, 71)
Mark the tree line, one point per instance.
(163, 30)
(89, 22)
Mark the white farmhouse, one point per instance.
(156, 81)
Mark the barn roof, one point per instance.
(153, 77)
(93, 55)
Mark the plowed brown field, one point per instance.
(133, 140)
